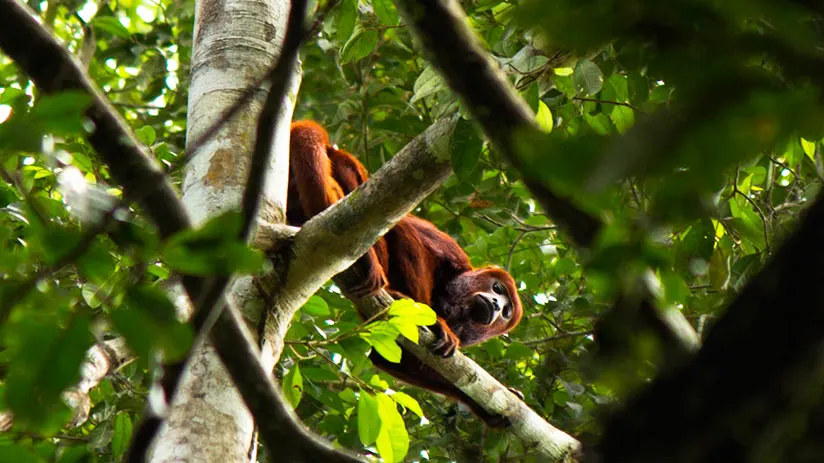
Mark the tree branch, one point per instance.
(334, 239)
(53, 69)
(537, 434)
(331, 241)
(729, 401)
(442, 29)
(211, 302)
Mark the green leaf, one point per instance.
(213, 249)
(101, 436)
(385, 345)
(466, 149)
(565, 266)
(407, 330)
(96, 263)
(76, 454)
(588, 78)
(393, 440)
(316, 306)
(428, 83)
(122, 434)
(346, 17)
(719, 270)
(46, 360)
(809, 148)
(319, 374)
(16, 453)
(518, 351)
(414, 312)
(531, 95)
(146, 134)
(544, 117)
(62, 113)
(111, 25)
(369, 421)
(623, 118)
(360, 45)
(147, 309)
(386, 12)
(378, 383)
(747, 222)
(292, 386)
(600, 122)
(408, 402)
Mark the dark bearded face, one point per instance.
(481, 304)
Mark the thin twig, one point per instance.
(556, 337)
(616, 103)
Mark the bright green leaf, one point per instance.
(292, 386)
(408, 402)
(369, 420)
(809, 148)
(393, 440)
(407, 330)
(386, 346)
(316, 306)
(414, 312)
(146, 134)
(544, 117)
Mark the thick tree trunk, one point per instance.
(235, 43)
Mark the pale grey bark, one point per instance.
(331, 241)
(208, 420)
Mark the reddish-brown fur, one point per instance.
(414, 260)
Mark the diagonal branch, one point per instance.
(340, 235)
(53, 69)
(442, 28)
(536, 433)
(332, 240)
(753, 388)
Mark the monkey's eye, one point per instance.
(498, 288)
(507, 311)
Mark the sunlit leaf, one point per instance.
(406, 401)
(544, 117)
(369, 420)
(292, 386)
(393, 440)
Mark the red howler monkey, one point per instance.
(415, 259)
